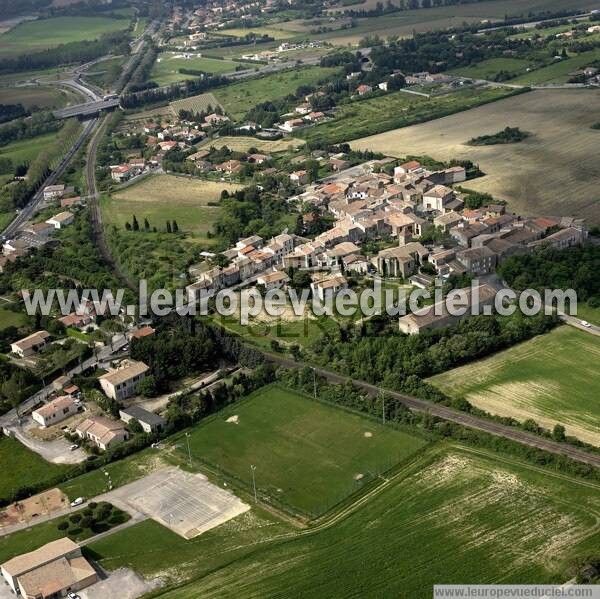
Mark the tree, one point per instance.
(175, 227)
(147, 386)
(146, 225)
(169, 230)
(135, 225)
(128, 226)
(135, 427)
(558, 433)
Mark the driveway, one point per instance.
(123, 583)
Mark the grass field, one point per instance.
(451, 516)
(273, 32)
(22, 467)
(488, 69)
(167, 197)
(399, 109)
(26, 150)
(28, 539)
(34, 36)
(553, 379)
(307, 455)
(243, 144)
(42, 96)
(238, 98)
(558, 156)
(167, 70)
(8, 318)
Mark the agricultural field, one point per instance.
(25, 150)
(552, 379)
(49, 97)
(166, 68)
(21, 467)
(238, 98)
(34, 36)
(274, 32)
(167, 197)
(559, 155)
(200, 103)
(397, 109)
(488, 69)
(243, 144)
(452, 515)
(309, 456)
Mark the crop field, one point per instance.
(243, 144)
(166, 68)
(22, 467)
(200, 103)
(43, 96)
(488, 69)
(308, 455)
(273, 32)
(553, 379)
(34, 36)
(238, 98)
(532, 176)
(397, 109)
(451, 516)
(167, 197)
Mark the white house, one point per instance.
(55, 411)
(121, 382)
(61, 220)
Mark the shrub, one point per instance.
(63, 525)
(75, 518)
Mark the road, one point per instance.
(445, 413)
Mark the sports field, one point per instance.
(553, 379)
(166, 68)
(532, 176)
(308, 455)
(34, 36)
(238, 98)
(451, 516)
(167, 197)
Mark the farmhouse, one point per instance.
(30, 345)
(149, 421)
(119, 383)
(53, 570)
(54, 411)
(102, 432)
(61, 220)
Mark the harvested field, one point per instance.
(199, 103)
(552, 379)
(553, 172)
(243, 144)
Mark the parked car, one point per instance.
(73, 596)
(586, 324)
(77, 501)
(74, 447)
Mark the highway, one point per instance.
(451, 415)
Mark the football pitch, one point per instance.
(308, 456)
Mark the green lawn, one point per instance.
(22, 467)
(26, 150)
(34, 36)
(167, 70)
(28, 539)
(238, 98)
(488, 69)
(451, 516)
(8, 318)
(398, 109)
(585, 312)
(553, 379)
(308, 455)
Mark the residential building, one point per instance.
(562, 239)
(437, 198)
(141, 332)
(448, 220)
(55, 411)
(299, 177)
(401, 261)
(61, 220)
(52, 571)
(150, 422)
(52, 192)
(478, 260)
(77, 321)
(31, 344)
(120, 383)
(273, 280)
(102, 432)
(328, 286)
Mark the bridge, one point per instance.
(86, 110)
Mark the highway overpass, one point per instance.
(86, 110)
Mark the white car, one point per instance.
(74, 447)
(73, 596)
(77, 501)
(586, 324)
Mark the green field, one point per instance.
(28, 539)
(34, 36)
(394, 110)
(273, 32)
(238, 98)
(21, 467)
(41, 96)
(26, 150)
(488, 69)
(167, 70)
(452, 515)
(553, 379)
(308, 455)
(8, 318)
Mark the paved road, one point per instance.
(456, 416)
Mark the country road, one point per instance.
(468, 420)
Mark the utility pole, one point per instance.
(253, 468)
(383, 407)
(187, 438)
(314, 383)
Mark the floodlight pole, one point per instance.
(314, 382)
(187, 438)
(383, 407)
(253, 468)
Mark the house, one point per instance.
(339, 164)
(216, 119)
(52, 192)
(383, 86)
(77, 321)
(53, 570)
(302, 109)
(478, 260)
(120, 383)
(151, 422)
(121, 172)
(61, 220)
(291, 125)
(230, 166)
(363, 89)
(315, 117)
(356, 263)
(562, 239)
(31, 344)
(447, 221)
(258, 158)
(329, 286)
(54, 411)
(70, 202)
(401, 261)
(146, 331)
(200, 155)
(411, 167)
(102, 432)
(273, 280)
(438, 316)
(299, 177)
(437, 198)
